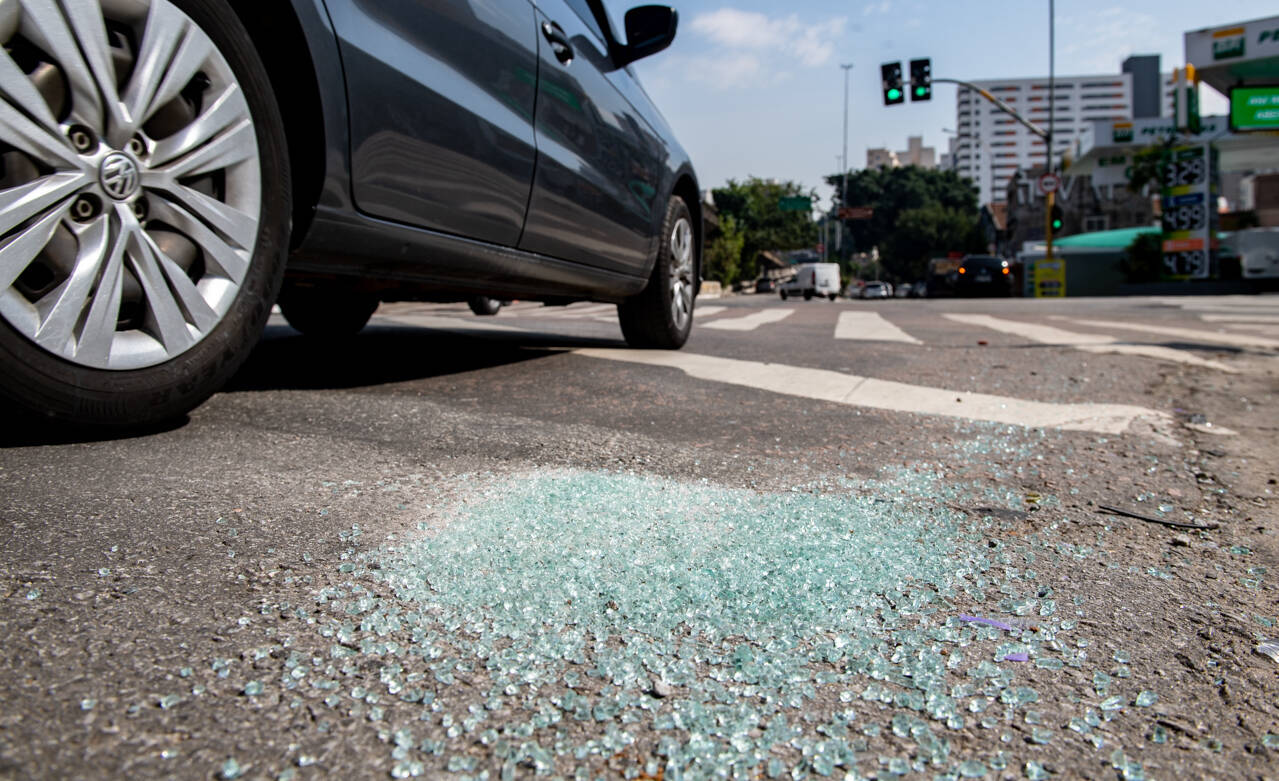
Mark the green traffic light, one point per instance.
(894, 94)
(1056, 225)
(921, 91)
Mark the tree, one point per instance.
(755, 208)
(892, 191)
(941, 205)
(724, 255)
(1143, 260)
(923, 233)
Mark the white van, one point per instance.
(812, 279)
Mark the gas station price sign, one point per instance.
(1189, 200)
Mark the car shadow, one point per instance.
(380, 354)
(386, 354)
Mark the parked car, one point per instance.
(812, 279)
(764, 285)
(876, 290)
(901, 291)
(982, 275)
(174, 165)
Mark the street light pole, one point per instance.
(843, 195)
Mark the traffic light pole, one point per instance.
(999, 104)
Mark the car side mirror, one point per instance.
(649, 29)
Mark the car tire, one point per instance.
(484, 306)
(808, 295)
(326, 312)
(831, 296)
(783, 295)
(661, 315)
(164, 266)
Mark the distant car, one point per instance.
(901, 291)
(764, 285)
(982, 275)
(876, 290)
(812, 279)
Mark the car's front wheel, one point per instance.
(661, 316)
(144, 204)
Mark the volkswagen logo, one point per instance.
(118, 175)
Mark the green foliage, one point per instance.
(753, 205)
(942, 208)
(724, 253)
(925, 233)
(1143, 260)
(1147, 166)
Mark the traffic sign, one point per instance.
(856, 212)
(795, 203)
(1049, 183)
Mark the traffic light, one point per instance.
(891, 74)
(921, 79)
(1056, 218)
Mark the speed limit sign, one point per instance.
(1049, 183)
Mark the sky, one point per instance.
(755, 88)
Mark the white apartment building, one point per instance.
(991, 146)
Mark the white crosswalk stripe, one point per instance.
(1092, 343)
(1189, 334)
(750, 322)
(857, 391)
(870, 326)
(563, 312)
(1240, 318)
(708, 311)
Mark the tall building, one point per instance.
(1147, 85)
(992, 146)
(879, 157)
(915, 153)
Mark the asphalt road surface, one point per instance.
(825, 538)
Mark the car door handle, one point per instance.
(559, 42)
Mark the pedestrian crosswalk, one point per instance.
(1228, 325)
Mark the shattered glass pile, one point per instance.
(574, 619)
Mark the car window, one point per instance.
(583, 10)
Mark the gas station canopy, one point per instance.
(1235, 55)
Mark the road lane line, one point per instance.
(1092, 343)
(870, 326)
(857, 391)
(1213, 337)
(707, 311)
(750, 322)
(1242, 318)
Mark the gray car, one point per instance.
(169, 169)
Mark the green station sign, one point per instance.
(1254, 108)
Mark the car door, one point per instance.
(441, 96)
(597, 191)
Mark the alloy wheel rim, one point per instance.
(681, 272)
(130, 186)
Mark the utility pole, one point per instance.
(1050, 198)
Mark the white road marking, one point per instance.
(750, 322)
(870, 326)
(707, 311)
(1243, 318)
(1214, 337)
(1092, 343)
(449, 323)
(567, 312)
(1219, 303)
(853, 390)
